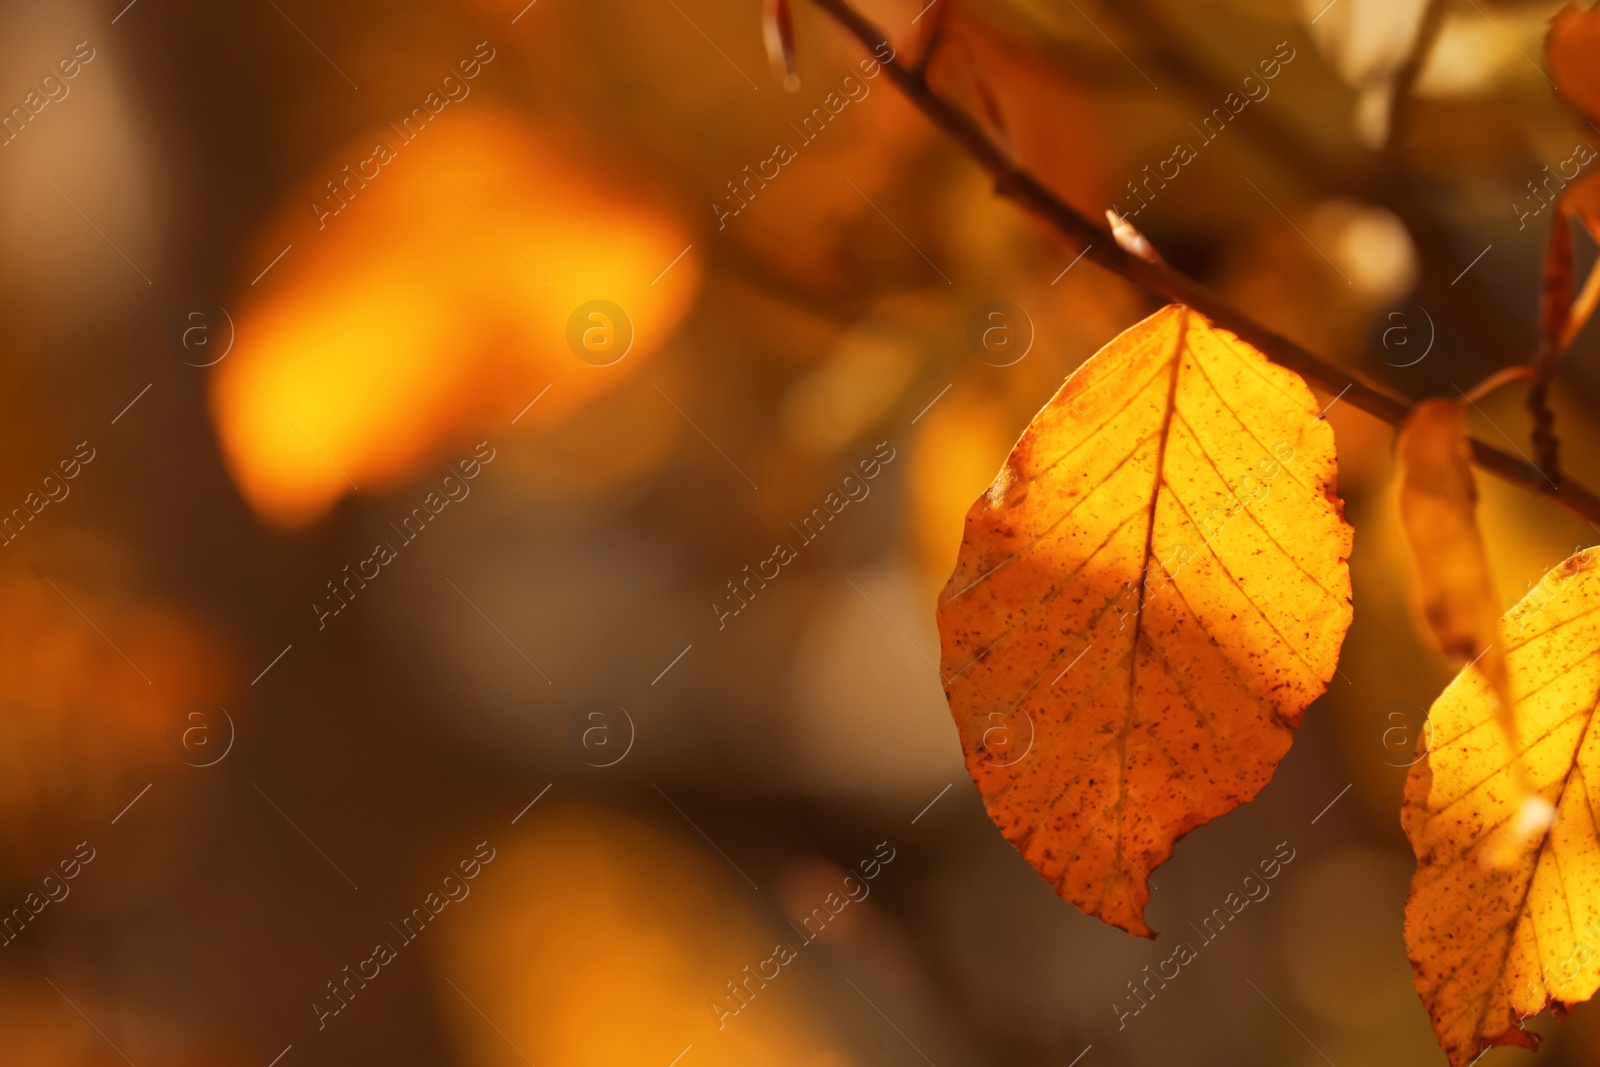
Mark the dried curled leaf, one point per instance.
(1146, 600)
(1581, 200)
(1438, 510)
(1570, 48)
(777, 30)
(1504, 915)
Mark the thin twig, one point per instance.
(931, 34)
(1375, 176)
(1501, 378)
(1429, 27)
(1555, 309)
(1026, 191)
(1382, 178)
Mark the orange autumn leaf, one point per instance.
(1503, 920)
(1145, 601)
(1570, 48)
(1438, 510)
(1582, 201)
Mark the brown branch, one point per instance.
(1429, 27)
(1555, 309)
(1096, 244)
(1375, 176)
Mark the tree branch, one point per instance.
(1429, 27)
(1097, 244)
(1376, 176)
(1555, 309)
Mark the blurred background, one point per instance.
(343, 555)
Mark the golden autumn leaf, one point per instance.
(1146, 600)
(1503, 920)
(1438, 510)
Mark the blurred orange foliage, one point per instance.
(599, 941)
(439, 296)
(79, 717)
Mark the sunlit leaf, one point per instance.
(1151, 592)
(1504, 915)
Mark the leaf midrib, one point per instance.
(1144, 567)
